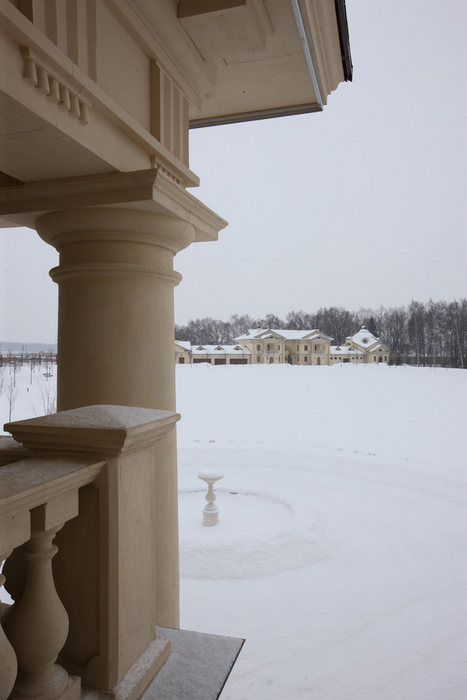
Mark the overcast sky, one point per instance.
(362, 205)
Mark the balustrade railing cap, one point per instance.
(103, 429)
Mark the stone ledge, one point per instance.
(97, 429)
(198, 667)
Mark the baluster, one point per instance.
(39, 625)
(8, 663)
(15, 570)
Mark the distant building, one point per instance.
(300, 347)
(182, 352)
(297, 347)
(363, 347)
(185, 353)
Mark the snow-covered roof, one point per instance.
(300, 335)
(219, 350)
(258, 333)
(185, 344)
(281, 334)
(364, 338)
(344, 350)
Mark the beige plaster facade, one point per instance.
(96, 101)
(361, 348)
(182, 352)
(220, 354)
(185, 353)
(300, 347)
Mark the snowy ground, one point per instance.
(343, 564)
(341, 548)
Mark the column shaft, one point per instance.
(116, 346)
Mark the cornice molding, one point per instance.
(33, 42)
(150, 191)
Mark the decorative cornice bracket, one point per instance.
(54, 86)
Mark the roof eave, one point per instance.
(344, 39)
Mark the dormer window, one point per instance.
(365, 340)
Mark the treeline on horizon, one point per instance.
(428, 334)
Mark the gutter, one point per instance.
(306, 50)
(344, 39)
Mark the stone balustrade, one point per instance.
(99, 623)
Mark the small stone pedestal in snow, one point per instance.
(210, 511)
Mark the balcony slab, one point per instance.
(198, 667)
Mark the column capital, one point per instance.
(149, 191)
(111, 228)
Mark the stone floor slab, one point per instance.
(198, 666)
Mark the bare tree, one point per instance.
(394, 331)
(456, 322)
(270, 321)
(416, 332)
(48, 396)
(336, 322)
(2, 380)
(12, 395)
(299, 320)
(240, 324)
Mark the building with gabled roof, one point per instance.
(185, 353)
(182, 352)
(279, 346)
(297, 347)
(362, 347)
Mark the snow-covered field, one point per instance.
(340, 554)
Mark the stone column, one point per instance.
(116, 337)
(117, 234)
(116, 318)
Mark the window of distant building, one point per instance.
(298, 348)
(306, 348)
(258, 348)
(278, 348)
(258, 358)
(306, 358)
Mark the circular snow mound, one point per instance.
(257, 535)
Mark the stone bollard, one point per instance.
(210, 511)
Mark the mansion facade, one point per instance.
(295, 347)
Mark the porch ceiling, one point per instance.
(253, 51)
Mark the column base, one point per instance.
(137, 679)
